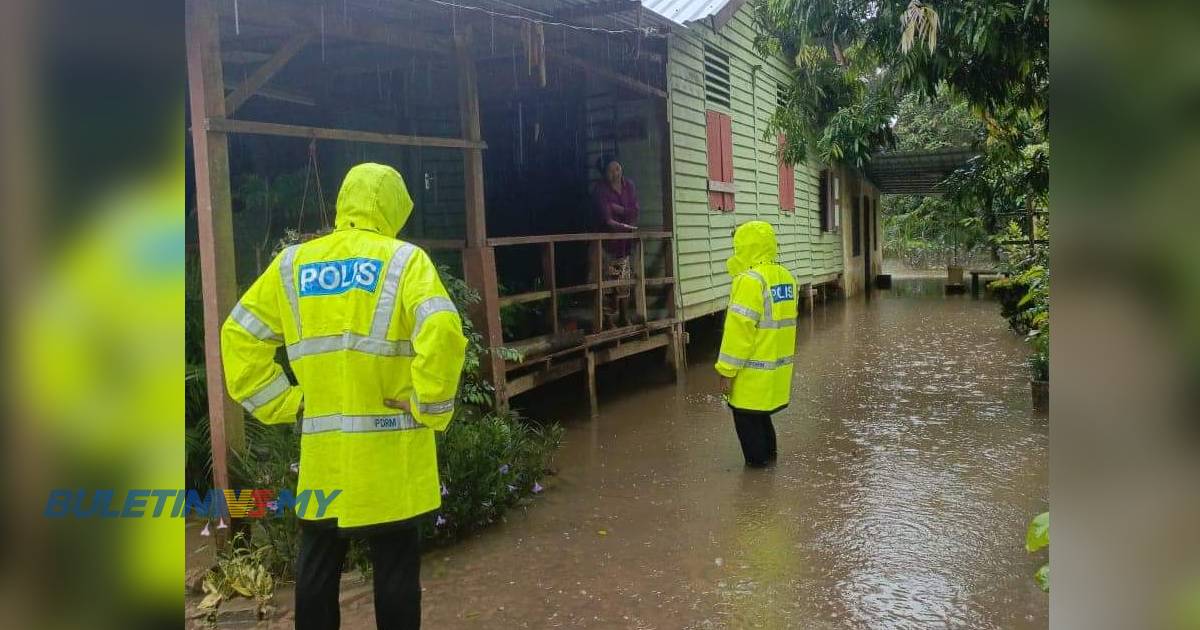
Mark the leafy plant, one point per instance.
(240, 571)
(1037, 537)
(489, 464)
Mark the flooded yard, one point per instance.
(909, 465)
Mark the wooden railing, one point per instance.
(552, 292)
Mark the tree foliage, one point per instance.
(854, 59)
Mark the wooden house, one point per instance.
(497, 114)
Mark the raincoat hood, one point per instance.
(753, 244)
(373, 197)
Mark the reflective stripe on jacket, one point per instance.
(759, 339)
(363, 317)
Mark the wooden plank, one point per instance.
(221, 124)
(614, 353)
(214, 222)
(578, 288)
(503, 241)
(522, 298)
(526, 382)
(721, 187)
(267, 70)
(658, 282)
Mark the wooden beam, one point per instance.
(606, 355)
(522, 298)
(590, 67)
(586, 236)
(287, 96)
(479, 258)
(263, 73)
(526, 382)
(468, 106)
(214, 222)
(253, 127)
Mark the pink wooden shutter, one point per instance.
(727, 157)
(787, 181)
(716, 200)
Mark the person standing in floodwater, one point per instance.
(755, 362)
(615, 198)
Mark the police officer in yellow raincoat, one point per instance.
(377, 349)
(755, 362)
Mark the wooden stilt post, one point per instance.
(596, 254)
(593, 399)
(214, 221)
(479, 260)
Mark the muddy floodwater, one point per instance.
(909, 465)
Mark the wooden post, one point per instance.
(214, 222)
(639, 263)
(479, 260)
(669, 272)
(549, 276)
(597, 262)
(593, 399)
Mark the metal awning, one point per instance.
(916, 172)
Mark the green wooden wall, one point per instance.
(703, 236)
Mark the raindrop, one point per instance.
(237, 22)
(322, 33)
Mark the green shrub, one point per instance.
(489, 464)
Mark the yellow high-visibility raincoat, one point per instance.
(760, 324)
(364, 317)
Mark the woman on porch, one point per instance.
(616, 202)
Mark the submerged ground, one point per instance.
(909, 465)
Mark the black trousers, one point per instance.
(756, 432)
(396, 558)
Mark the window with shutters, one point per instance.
(787, 179)
(721, 189)
(829, 201)
(716, 76)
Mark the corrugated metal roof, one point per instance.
(683, 11)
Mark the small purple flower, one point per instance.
(504, 469)
(440, 521)
(273, 506)
(445, 492)
(512, 488)
(537, 487)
